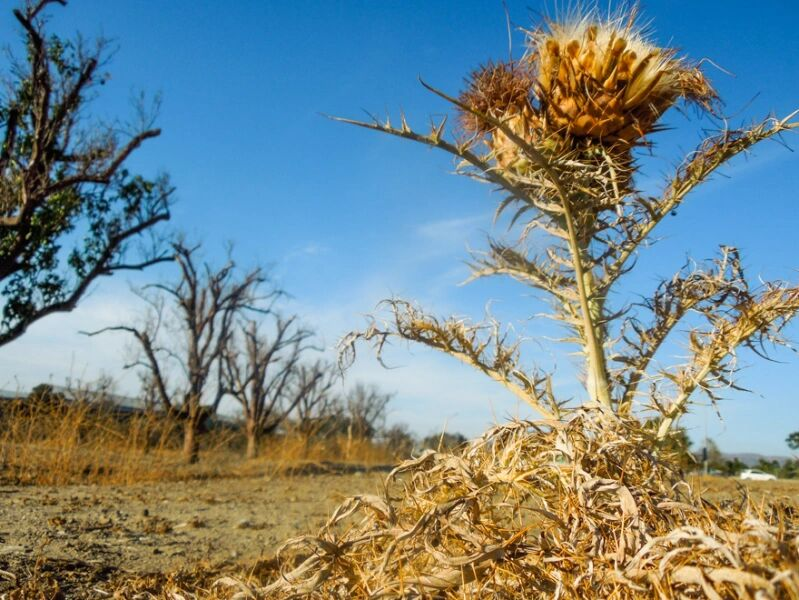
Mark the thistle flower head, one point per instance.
(602, 79)
(498, 90)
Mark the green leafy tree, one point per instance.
(398, 440)
(44, 393)
(713, 455)
(733, 467)
(678, 445)
(70, 211)
(769, 466)
(789, 470)
(793, 440)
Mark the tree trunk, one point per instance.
(191, 446)
(349, 441)
(253, 438)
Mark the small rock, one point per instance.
(194, 523)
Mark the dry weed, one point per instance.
(76, 443)
(583, 508)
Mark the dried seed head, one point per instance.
(497, 90)
(504, 150)
(603, 80)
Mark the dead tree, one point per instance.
(317, 409)
(366, 411)
(204, 305)
(60, 174)
(258, 370)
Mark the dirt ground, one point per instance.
(88, 538)
(100, 533)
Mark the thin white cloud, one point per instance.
(309, 249)
(53, 350)
(434, 392)
(450, 231)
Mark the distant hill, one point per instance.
(750, 459)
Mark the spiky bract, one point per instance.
(587, 88)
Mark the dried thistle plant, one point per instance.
(584, 503)
(555, 133)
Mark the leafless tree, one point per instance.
(366, 410)
(399, 441)
(259, 371)
(317, 408)
(204, 305)
(60, 173)
(148, 391)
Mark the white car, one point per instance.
(757, 475)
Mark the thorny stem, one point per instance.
(676, 408)
(597, 383)
(590, 289)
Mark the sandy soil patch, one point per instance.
(100, 533)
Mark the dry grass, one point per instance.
(69, 443)
(57, 443)
(73, 580)
(725, 488)
(530, 510)
(577, 509)
(582, 508)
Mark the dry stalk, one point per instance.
(482, 346)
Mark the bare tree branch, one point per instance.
(206, 302)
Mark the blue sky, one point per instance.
(346, 217)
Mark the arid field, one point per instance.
(88, 506)
(90, 541)
(90, 537)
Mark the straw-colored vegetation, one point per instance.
(61, 443)
(577, 509)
